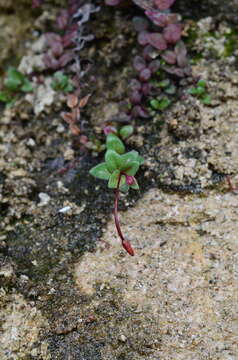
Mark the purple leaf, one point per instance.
(57, 48)
(135, 97)
(145, 74)
(169, 56)
(157, 18)
(174, 70)
(163, 4)
(142, 38)
(52, 38)
(51, 62)
(68, 38)
(157, 40)
(139, 63)
(62, 19)
(135, 85)
(172, 33)
(154, 66)
(146, 89)
(140, 111)
(140, 23)
(66, 58)
(150, 53)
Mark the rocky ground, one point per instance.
(67, 289)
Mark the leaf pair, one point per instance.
(118, 168)
(61, 82)
(14, 82)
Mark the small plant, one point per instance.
(61, 82)
(15, 82)
(200, 91)
(163, 53)
(119, 169)
(73, 116)
(160, 103)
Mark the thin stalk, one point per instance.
(125, 243)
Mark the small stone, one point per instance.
(65, 209)
(60, 129)
(44, 199)
(122, 338)
(31, 142)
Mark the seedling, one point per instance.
(119, 169)
(161, 103)
(61, 82)
(73, 117)
(200, 91)
(14, 82)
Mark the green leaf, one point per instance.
(68, 88)
(130, 157)
(114, 143)
(202, 83)
(140, 160)
(5, 97)
(27, 86)
(113, 160)
(171, 90)
(124, 188)
(14, 79)
(164, 103)
(154, 104)
(164, 83)
(113, 180)
(206, 100)
(15, 75)
(135, 186)
(134, 166)
(61, 82)
(100, 171)
(11, 84)
(200, 90)
(126, 131)
(192, 91)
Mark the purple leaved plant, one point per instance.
(63, 49)
(163, 53)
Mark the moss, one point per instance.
(231, 43)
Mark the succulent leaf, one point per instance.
(113, 180)
(114, 143)
(126, 131)
(135, 185)
(113, 160)
(134, 166)
(100, 171)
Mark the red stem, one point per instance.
(125, 243)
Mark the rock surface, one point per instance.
(67, 288)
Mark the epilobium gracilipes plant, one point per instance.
(119, 169)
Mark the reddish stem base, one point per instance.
(125, 243)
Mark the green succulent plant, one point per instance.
(119, 169)
(61, 82)
(200, 91)
(161, 103)
(116, 166)
(15, 82)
